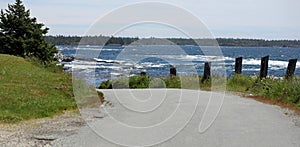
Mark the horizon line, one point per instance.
(237, 38)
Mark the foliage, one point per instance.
(274, 88)
(172, 82)
(105, 85)
(237, 42)
(63, 40)
(21, 35)
(240, 83)
(133, 82)
(90, 40)
(141, 81)
(286, 90)
(29, 92)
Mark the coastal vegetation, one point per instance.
(283, 90)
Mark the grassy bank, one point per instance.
(28, 91)
(285, 91)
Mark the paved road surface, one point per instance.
(156, 115)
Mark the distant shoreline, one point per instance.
(114, 45)
(120, 41)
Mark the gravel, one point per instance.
(40, 132)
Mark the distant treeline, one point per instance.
(100, 40)
(90, 40)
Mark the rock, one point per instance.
(61, 58)
(67, 59)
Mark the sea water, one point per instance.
(98, 63)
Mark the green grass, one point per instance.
(287, 91)
(240, 83)
(142, 81)
(28, 91)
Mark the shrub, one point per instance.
(141, 81)
(105, 85)
(172, 82)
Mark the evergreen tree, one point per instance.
(21, 35)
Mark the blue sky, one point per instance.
(265, 19)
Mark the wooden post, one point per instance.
(264, 67)
(206, 74)
(143, 73)
(238, 65)
(291, 68)
(173, 71)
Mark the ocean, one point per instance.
(97, 63)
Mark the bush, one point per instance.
(172, 82)
(105, 85)
(141, 81)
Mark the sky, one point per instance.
(259, 19)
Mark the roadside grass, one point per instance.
(28, 91)
(240, 83)
(285, 91)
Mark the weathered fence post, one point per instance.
(173, 71)
(291, 68)
(264, 67)
(143, 73)
(238, 65)
(206, 74)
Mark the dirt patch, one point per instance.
(40, 132)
